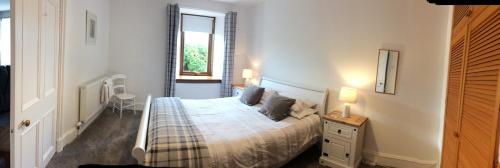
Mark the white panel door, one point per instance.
(35, 72)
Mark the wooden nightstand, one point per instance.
(342, 140)
(238, 89)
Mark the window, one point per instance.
(196, 52)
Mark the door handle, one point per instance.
(25, 123)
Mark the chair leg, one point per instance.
(121, 108)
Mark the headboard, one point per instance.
(295, 91)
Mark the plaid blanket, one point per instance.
(173, 139)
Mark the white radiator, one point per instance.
(90, 104)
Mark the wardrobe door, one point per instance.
(453, 100)
(460, 16)
(479, 121)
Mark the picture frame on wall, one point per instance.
(91, 29)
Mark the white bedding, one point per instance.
(239, 136)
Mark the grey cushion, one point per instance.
(277, 107)
(252, 94)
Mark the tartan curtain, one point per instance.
(229, 38)
(173, 14)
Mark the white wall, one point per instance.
(138, 43)
(82, 63)
(334, 43)
(197, 90)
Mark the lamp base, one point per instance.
(247, 82)
(347, 111)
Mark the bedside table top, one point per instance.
(239, 86)
(354, 120)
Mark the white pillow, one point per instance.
(300, 105)
(267, 93)
(304, 113)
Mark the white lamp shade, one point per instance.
(247, 73)
(348, 95)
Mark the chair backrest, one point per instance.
(119, 85)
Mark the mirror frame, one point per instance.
(397, 69)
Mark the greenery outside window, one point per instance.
(196, 47)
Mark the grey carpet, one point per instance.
(109, 140)
(4, 145)
(4, 139)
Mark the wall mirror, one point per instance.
(387, 71)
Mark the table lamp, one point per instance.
(247, 74)
(349, 96)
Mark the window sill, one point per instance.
(197, 79)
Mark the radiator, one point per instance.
(90, 104)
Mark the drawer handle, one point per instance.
(339, 131)
(347, 155)
(327, 141)
(325, 154)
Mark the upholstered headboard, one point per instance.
(318, 96)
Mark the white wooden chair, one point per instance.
(121, 99)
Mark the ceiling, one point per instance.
(4, 5)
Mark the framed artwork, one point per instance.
(91, 28)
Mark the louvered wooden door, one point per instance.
(453, 100)
(479, 117)
(460, 13)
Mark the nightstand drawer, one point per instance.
(336, 150)
(342, 140)
(237, 91)
(336, 129)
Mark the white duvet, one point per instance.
(239, 136)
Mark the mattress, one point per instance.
(238, 135)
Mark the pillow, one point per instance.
(252, 95)
(304, 113)
(277, 107)
(267, 93)
(300, 105)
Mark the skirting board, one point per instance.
(85, 125)
(66, 138)
(71, 135)
(371, 157)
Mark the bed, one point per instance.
(228, 133)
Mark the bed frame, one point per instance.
(317, 96)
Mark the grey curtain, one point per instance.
(173, 14)
(229, 38)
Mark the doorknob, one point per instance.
(25, 123)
